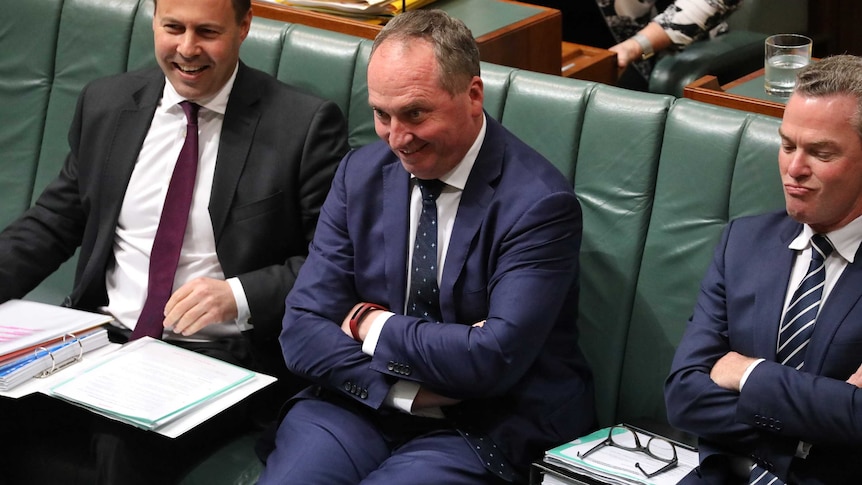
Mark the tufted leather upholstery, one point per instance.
(658, 177)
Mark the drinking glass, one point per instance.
(785, 55)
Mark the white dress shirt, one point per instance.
(127, 277)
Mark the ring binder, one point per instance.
(63, 364)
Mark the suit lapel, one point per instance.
(843, 297)
(240, 122)
(475, 200)
(771, 288)
(396, 220)
(133, 122)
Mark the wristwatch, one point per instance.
(646, 46)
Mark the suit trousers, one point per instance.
(334, 441)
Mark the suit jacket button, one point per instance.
(363, 394)
(347, 386)
(390, 365)
(407, 370)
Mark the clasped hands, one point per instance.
(728, 371)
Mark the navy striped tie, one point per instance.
(799, 319)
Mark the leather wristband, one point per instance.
(358, 315)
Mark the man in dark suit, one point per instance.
(267, 153)
(766, 375)
(474, 376)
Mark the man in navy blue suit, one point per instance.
(493, 376)
(768, 377)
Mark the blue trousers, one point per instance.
(327, 442)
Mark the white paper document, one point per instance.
(157, 386)
(25, 323)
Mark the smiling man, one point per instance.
(436, 314)
(231, 231)
(768, 372)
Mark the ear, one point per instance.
(245, 25)
(476, 91)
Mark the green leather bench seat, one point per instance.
(658, 177)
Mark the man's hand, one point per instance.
(198, 303)
(728, 371)
(429, 399)
(856, 378)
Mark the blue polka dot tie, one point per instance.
(424, 299)
(797, 326)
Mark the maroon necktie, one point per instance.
(172, 227)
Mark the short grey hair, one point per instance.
(455, 49)
(841, 74)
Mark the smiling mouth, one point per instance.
(410, 152)
(190, 69)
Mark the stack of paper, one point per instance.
(37, 339)
(358, 8)
(152, 385)
(47, 360)
(614, 465)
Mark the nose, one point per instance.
(399, 136)
(188, 45)
(797, 164)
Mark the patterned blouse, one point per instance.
(684, 21)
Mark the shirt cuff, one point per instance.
(401, 396)
(748, 372)
(243, 313)
(373, 335)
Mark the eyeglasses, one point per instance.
(627, 439)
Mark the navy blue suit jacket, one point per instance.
(512, 259)
(739, 309)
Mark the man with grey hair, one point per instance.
(768, 371)
(461, 372)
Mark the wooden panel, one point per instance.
(707, 90)
(530, 42)
(589, 63)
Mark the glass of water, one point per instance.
(785, 54)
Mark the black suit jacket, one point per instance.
(278, 152)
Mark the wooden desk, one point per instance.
(746, 93)
(508, 33)
(589, 63)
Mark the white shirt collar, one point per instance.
(845, 240)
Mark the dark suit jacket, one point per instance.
(739, 308)
(279, 149)
(512, 259)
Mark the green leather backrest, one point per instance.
(716, 164)
(657, 177)
(26, 72)
(615, 181)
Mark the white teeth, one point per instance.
(189, 69)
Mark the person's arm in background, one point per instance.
(683, 22)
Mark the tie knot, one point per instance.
(821, 247)
(430, 188)
(191, 111)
